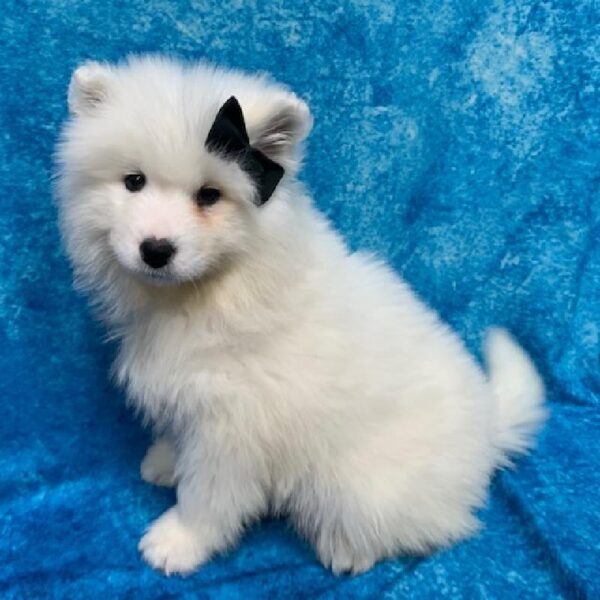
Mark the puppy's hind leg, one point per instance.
(343, 554)
(344, 537)
(380, 513)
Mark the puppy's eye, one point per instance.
(134, 182)
(207, 196)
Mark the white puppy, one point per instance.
(283, 373)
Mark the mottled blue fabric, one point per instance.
(459, 139)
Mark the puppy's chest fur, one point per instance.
(169, 364)
(176, 369)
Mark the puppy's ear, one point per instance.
(88, 88)
(280, 129)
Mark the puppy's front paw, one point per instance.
(158, 466)
(170, 546)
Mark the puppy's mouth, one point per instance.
(132, 265)
(168, 276)
(159, 277)
(162, 277)
(173, 274)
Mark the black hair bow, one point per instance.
(228, 136)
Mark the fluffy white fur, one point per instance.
(291, 375)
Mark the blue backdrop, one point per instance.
(457, 138)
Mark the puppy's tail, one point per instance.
(519, 393)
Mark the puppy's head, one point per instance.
(165, 168)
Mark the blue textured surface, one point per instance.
(459, 139)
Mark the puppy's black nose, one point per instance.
(156, 253)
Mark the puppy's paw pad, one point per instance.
(158, 466)
(171, 547)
